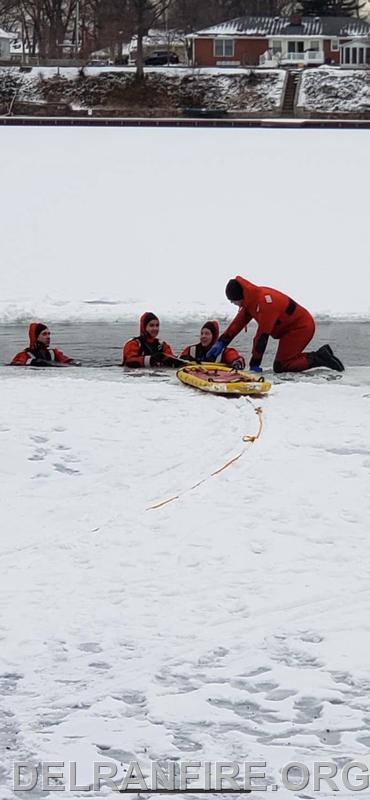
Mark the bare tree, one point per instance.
(145, 14)
(192, 15)
(108, 24)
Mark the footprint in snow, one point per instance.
(186, 744)
(311, 636)
(90, 647)
(38, 455)
(280, 694)
(257, 671)
(9, 681)
(308, 708)
(66, 470)
(133, 698)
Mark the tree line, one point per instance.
(47, 27)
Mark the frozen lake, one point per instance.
(161, 219)
(231, 623)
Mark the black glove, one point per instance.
(157, 359)
(41, 362)
(172, 361)
(238, 364)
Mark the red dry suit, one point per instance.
(139, 351)
(196, 352)
(279, 316)
(38, 352)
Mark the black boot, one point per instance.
(326, 358)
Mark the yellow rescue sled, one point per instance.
(223, 380)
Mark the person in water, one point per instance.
(279, 316)
(39, 353)
(209, 334)
(146, 350)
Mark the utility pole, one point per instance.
(77, 36)
(23, 42)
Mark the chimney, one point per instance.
(295, 20)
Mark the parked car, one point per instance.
(161, 58)
(99, 62)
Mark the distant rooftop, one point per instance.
(288, 26)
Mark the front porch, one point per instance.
(293, 52)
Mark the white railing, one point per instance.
(313, 55)
(304, 58)
(308, 57)
(294, 57)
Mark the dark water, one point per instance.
(100, 343)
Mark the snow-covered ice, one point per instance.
(231, 623)
(143, 218)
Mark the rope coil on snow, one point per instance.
(249, 439)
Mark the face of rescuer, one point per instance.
(205, 337)
(152, 328)
(44, 337)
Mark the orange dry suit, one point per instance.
(279, 316)
(36, 353)
(196, 352)
(145, 351)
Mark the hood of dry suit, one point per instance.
(34, 331)
(214, 327)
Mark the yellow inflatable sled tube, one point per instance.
(223, 380)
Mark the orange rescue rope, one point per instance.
(248, 439)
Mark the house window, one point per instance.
(334, 45)
(276, 48)
(360, 55)
(223, 47)
(347, 59)
(368, 55)
(295, 47)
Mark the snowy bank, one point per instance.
(163, 91)
(328, 90)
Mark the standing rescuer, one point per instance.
(279, 316)
(39, 353)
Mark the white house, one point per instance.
(5, 39)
